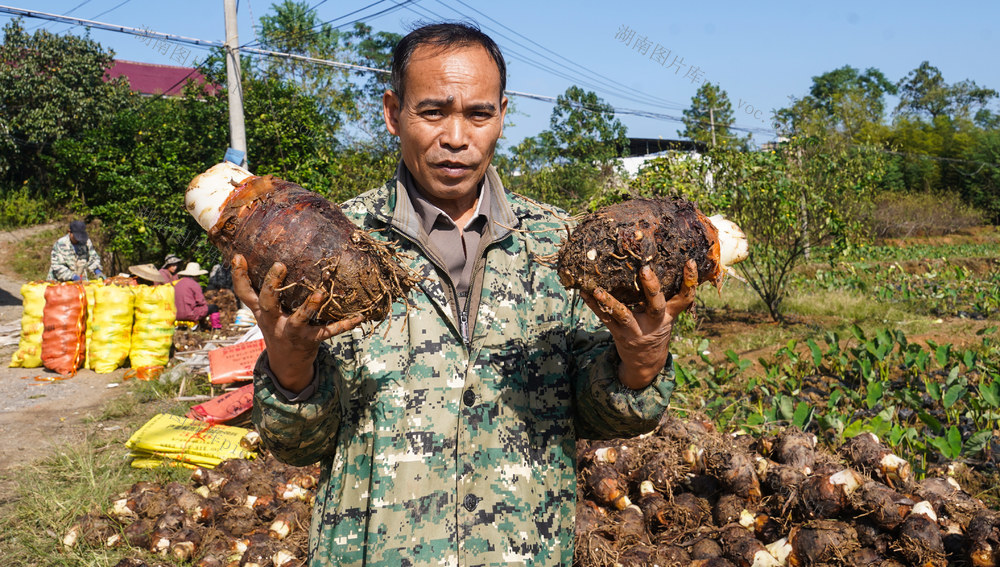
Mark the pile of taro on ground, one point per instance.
(683, 495)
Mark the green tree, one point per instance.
(132, 171)
(844, 100)
(51, 88)
(575, 159)
(805, 194)
(710, 117)
(924, 93)
(294, 28)
(371, 49)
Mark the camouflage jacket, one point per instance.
(64, 258)
(438, 452)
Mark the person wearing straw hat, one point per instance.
(169, 268)
(147, 273)
(188, 297)
(74, 255)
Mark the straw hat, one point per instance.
(147, 272)
(170, 260)
(192, 269)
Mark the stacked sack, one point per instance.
(97, 325)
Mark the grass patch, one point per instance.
(31, 256)
(47, 497)
(51, 494)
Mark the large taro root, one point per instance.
(270, 220)
(609, 248)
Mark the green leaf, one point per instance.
(884, 338)
(874, 396)
(853, 429)
(930, 421)
(955, 393)
(834, 398)
(955, 441)
(832, 421)
(901, 339)
(858, 333)
(803, 415)
(969, 358)
(817, 354)
(990, 393)
(942, 354)
(979, 441)
(952, 376)
(785, 405)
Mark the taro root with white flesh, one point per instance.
(920, 538)
(270, 220)
(825, 496)
(609, 248)
(869, 454)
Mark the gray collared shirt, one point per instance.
(455, 248)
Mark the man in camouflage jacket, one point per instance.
(73, 255)
(447, 434)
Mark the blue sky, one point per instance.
(759, 52)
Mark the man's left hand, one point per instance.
(643, 339)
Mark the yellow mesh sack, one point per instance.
(153, 330)
(111, 328)
(29, 349)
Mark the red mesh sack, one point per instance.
(65, 320)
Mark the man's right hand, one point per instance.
(292, 343)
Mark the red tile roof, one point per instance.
(152, 79)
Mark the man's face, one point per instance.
(449, 122)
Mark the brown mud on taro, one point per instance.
(609, 248)
(270, 220)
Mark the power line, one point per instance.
(597, 76)
(315, 60)
(545, 98)
(313, 31)
(542, 66)
(70, 11)
(101, 14)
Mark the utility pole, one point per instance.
(711, 122)
(237, 129)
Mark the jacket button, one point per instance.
(469, 397)
(471, 501)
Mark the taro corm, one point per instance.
(610, 246)
(270, 220)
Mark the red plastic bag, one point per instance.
(226, 407)
(64, 343)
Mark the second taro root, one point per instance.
(268, 220)
(610, 247)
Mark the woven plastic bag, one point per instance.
(153, 330)
(179, 439)
(65, 318)
(111, 327)
(29, 349)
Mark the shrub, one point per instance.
(20, 208)
(898, 214)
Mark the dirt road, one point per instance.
(35, 414)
